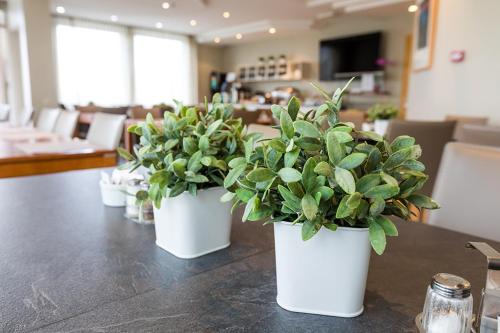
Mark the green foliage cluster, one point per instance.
(331, 177)
(189, 151)
(382, 112)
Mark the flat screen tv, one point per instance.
(349, 56)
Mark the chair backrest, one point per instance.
(46, 120)
(354, 116)
(267, 131)
(106, 130)
(480, 135)
(138, 112)
(464, 120)
(248, 117)
(66, 123)
(432, 136)
(468, 188)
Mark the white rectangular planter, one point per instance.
(380, 126)
(112, 195)
(190, 226)
(324, 275)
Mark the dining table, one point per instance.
(70, 264)
(28, 151)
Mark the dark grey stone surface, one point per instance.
(70, 264)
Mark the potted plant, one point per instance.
(187, 158)
(380, 115)
(328, 193)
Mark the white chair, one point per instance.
(66, 123)
(46, 120)
(468, 190)
(480, 135)
(106, 130)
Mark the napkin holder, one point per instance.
(489, 307)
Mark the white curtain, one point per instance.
(94, 65)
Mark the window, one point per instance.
(161, 69)
(94, 65)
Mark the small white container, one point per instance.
(324, 275)
(112, 194)
(380, 126)
(190, 226)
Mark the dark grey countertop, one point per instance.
(70, 264)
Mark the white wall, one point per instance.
(305, 47)
(30, 22)
(467, 88)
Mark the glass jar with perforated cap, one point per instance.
(448, 305)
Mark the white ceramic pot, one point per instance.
(113, 195)
(190, 226)
(380, 126)
(324, 275)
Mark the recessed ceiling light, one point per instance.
(239, 36)
(60, 9)
(193, 23)
(272, 30)
(216, 40)
(412, 8)
(165, 5)
(159, 25)
(226, 14)
(113, 18)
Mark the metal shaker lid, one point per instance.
(449, 285)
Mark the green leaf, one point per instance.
(260, 213)
(413, 165)
(330, 226)
(216, 98)
(371, 135)
(250, 206)
(204, 143)
(377, 237)
(306, 129)
(385, 191)
(179, 167)
(293, 107)
(159, 177)
(389, 179)
(398, 157)
(248, 145)
(308, 230)
(377, 206)
(142, 195)
(260, 175)
(352, 161)
(345, 180)
(286, 124)
(197, 179)
(277, 145)
(227, 197)
(236, 162)
(308, 144)
(171, 143)
(289, 175)
(125, 154)
(244, 194)
(291, 199)
(309, 206)
(423, 201)
(354, 200)
(326, 192)
(402, 141)
(343, 209)
(177, 189)
(276, 110)
(189, 145)
(233, 175)
(320, 110)
(194, 163)
(367, 182)
(213, 127)
(335, 150)
(308, 175)
(291, 157)
(341, 136)
(324, 169)
(386, 224)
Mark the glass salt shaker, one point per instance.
(448, 305)
(132, 209)
(145, 208)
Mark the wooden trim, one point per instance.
(42, 164)
(433, 28)
(405, 77)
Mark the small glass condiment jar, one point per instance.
(132, 209)
(145, 215)
(448, 305)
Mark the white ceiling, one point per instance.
(251, 18)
